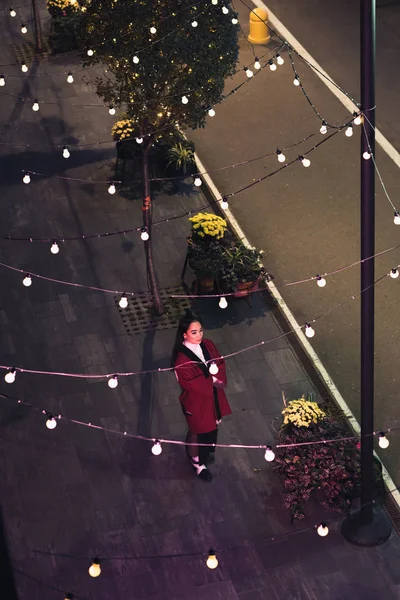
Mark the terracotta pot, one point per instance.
(206, 284)
(245, 287)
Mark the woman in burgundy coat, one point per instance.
(203, 399)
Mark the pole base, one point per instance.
(372, 534)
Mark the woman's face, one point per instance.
(194, 334)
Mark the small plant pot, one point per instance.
(245, 287)
(205, 284)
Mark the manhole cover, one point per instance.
(27, 52)
(138, 317)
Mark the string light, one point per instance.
(296, 80)
(26, 178)
(185, 100)
(136, 60)
(272, 65)
(269, 454)
(213, 368)
(144, 234)
(113, 382)
(357, 118)
(323, 128)
(224, 203)
(257, 64)
(248, 72)
(123, 302)
(66, 153)
(279, 59)
(12, 13)
(235, 21)
(70, 77)
(394, 273)
(90, 52)
(153, 30)
(194, 23)
(68, 597)
(51, 422)
(35, 106)
(27, 280)
(95, 569)
(156, 448)
(197, 181)
(24, 67)
(396, 218)
(2, 80)
(10, 376)
(321, 282)
(24, 28)
(54, 248)
(211, 112)
(281, 156)
(323, 530)
(225, 10)
(223, 302)
(349, 130)
(111, 189)
(366, 155)
(111, 110)
(214, 2)
(306, 162)
(309, 331)
(139, 140)
(383, 441)
(212, 561)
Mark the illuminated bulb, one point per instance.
(12, 13)
(296, 80)
(95, 569)
(70, 78)
(383, 441)
(349, 130)
(279, 59)
(27, 280)
(213, 368)
(90, 52)
(197, 181)
(234, 21)
(212, 560)
(321, 282)
(323, 128)
(394, 273)
(194, 23)
(309, 331)
(323, 530)
(24, 67)
(366, 155)
(156, 448)
(224, 203)
(257, 64)
(306, 162)
(2, 80)
(24, 28)
(396, 219)
(269, 454)
(111, 189)
(111, 110)
(272, 65)
(51, 423)
(10, 376)
(249, 73)
(66, 152)
(144, 234)
(153, 30)
(139, 140)
(123, 301)
(68, 597)
(215, 2)
(185, 100)
(211, 112)
(26, 178)
(225, 10)
(136, 60)
(223, 303)
(54, 248)
(113, 382)
(281, 156)
(357, 119)
(35, 106)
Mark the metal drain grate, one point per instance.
(27, 52)
(138, 317)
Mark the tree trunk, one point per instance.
(148, 244)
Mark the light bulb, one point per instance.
(95, 569)
(249, 73)
(51, 423)
(24, 67)
(139, 140)
(309, 331)
(296, 80)
(135, 60)
(54, 248)
(321, 282)
(144, 234)
(111, 110)
(113, 382)
(394, 273)
(323, 529)
(35, 106)
(68, 597)
(70, 78)
(2, 80)
(197, 181)
(211, 112)
(383, 441)
(185, 100)
(66, 152)
(279, 59)
(194, 23)
(111, 189)
(213, 368)
(153, 30)
(156, 448)
(10, 376)
(234, 21)
(272, 65)
(27, 280)
(396, 219)
(366, 155)
(223, 303)
(306, 162)
(26, 178)
(24, 28)
(357, 119)
(349, 130)
(90, 52)
(257, 64)
(214, 2)
(224, 203)
(269, 454)
(323, 128)
(225, 10)
(212, 560)
(12, 13)
(123, 301)
(281, 156)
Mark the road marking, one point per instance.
(351, 107)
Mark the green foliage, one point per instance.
(181, 156)
(241, 264)
(66, 16)
(206, 259)
(178, 60)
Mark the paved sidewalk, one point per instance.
(81, 492)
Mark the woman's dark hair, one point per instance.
(183, 326)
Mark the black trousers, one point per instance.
(206, 438)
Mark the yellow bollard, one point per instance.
(259, 33)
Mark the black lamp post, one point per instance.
(369, 526)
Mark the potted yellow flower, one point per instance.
(205, 248)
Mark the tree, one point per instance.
(167, 62)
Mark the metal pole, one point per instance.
(37, 27)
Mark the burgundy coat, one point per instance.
(197, 396)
